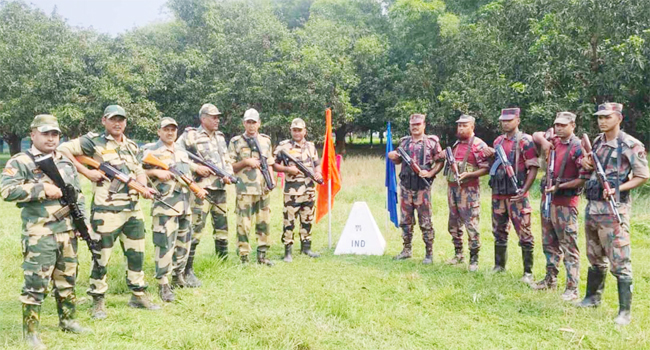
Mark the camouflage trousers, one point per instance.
(301, 209)
(247, 207)
(200, 210)
(607, 240)
(48, 258)
(172, 237)
(506, 210)
(128, 226)
(464, 210)
(560, 240)
(410, 202)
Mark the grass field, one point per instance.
(344, 302)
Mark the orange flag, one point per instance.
(329, 171)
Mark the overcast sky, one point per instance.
(107, 16)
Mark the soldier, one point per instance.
(115, 210)
(464, 200)
(560, 225)
(209, 143)
(49, 245)
(172, 234)
(299, 190)
(415, 190)
(253, 195)
(507, 202)
(624, 161)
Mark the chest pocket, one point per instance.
(245, 152)
(203, 147)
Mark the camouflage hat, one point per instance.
(167, 121)
(114, 110)
(608, 108)
(45, 123)
(252, 114)
(564, 118)
(298, 124)
(466, 119)
(509, 113)
(417, 118)
(209, 109)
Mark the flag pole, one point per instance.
(329, 211)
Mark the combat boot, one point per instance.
(458, 257)
(287, 253)
(500, 257)
(191, 281)
(31, 323)
(624, 301)
(549, 282)
(428, 254)
(98, 310)
(66, 307)
(261, 257)
(178, 280)
(527, 257)
(221, 248)
(595, 287)
(243, 259)
(142, 302)
(473, 260)
(570, 294)
(405, 254)
(165, 293)
(305, 248)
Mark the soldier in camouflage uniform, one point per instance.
(415, 193)
(560, 228)
(624, 161)
(299, 190)
(115, 211)
(253, 195)
(49, 245)
(209, 143)
(508, 204)
(465, 201)
(172, 234)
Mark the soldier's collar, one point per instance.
(35, 152)
(162, 145)
(110, 137)
(203, 130)
(300, 144)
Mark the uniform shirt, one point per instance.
(22, 182)
(122, 156)
(633, 158)
(304, 152)
(476, 159)
(432, 150)
(572, 170)
(211, 147)
(174, 192)
(527, 155)
(251, 180)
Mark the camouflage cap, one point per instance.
(466, 119)
(564, 118)
(167, 121)
(114, 110)
(209, 109)
(417, 118)
(509, 113)
(45, 123)
(298, 124)
(252, 114)
(608, 108)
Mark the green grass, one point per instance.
(343, 302)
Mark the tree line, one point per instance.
(371, 61)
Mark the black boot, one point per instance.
(31, 323)
(178, 280)
(595, 287)
(165, 293)
(98, 310)
(527, 257)
(261, 257)
(305, 248)
(191, 281)
(66, 308)
(473, 260)
(428, 254)
(287, 253)
(624, 301)
(221, 248)
(500, 257)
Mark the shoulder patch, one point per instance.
(92, 135)
(190, 128)
(265, 135)
(235, 138)
(283, 142)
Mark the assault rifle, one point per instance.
(502, 159)
(550, 174)
(602, 177)
(264, 166)
(452, 164)
(300, 165)
(412, 164)
(213, 168)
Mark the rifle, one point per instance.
(412, 164)
(602, 177)
(502, 159)
(452, 164)
(264, 166)
(69, 203)
(193, 186)
(116, 176)
(300, 165)
(550, 174)
(213, 167)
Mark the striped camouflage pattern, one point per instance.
(298, 209)
(506, 210)
(298, 185)
(249, 207)
(211, 147)
(464, 210)
(252, 181)
(200, 211)
(172, 237)
(560, 241)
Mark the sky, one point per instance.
(107, 16)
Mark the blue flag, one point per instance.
(391, 181)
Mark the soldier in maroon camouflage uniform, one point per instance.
(464, 201)
(560, 228)
(414, 191)
(624, 161)
(507, 203)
